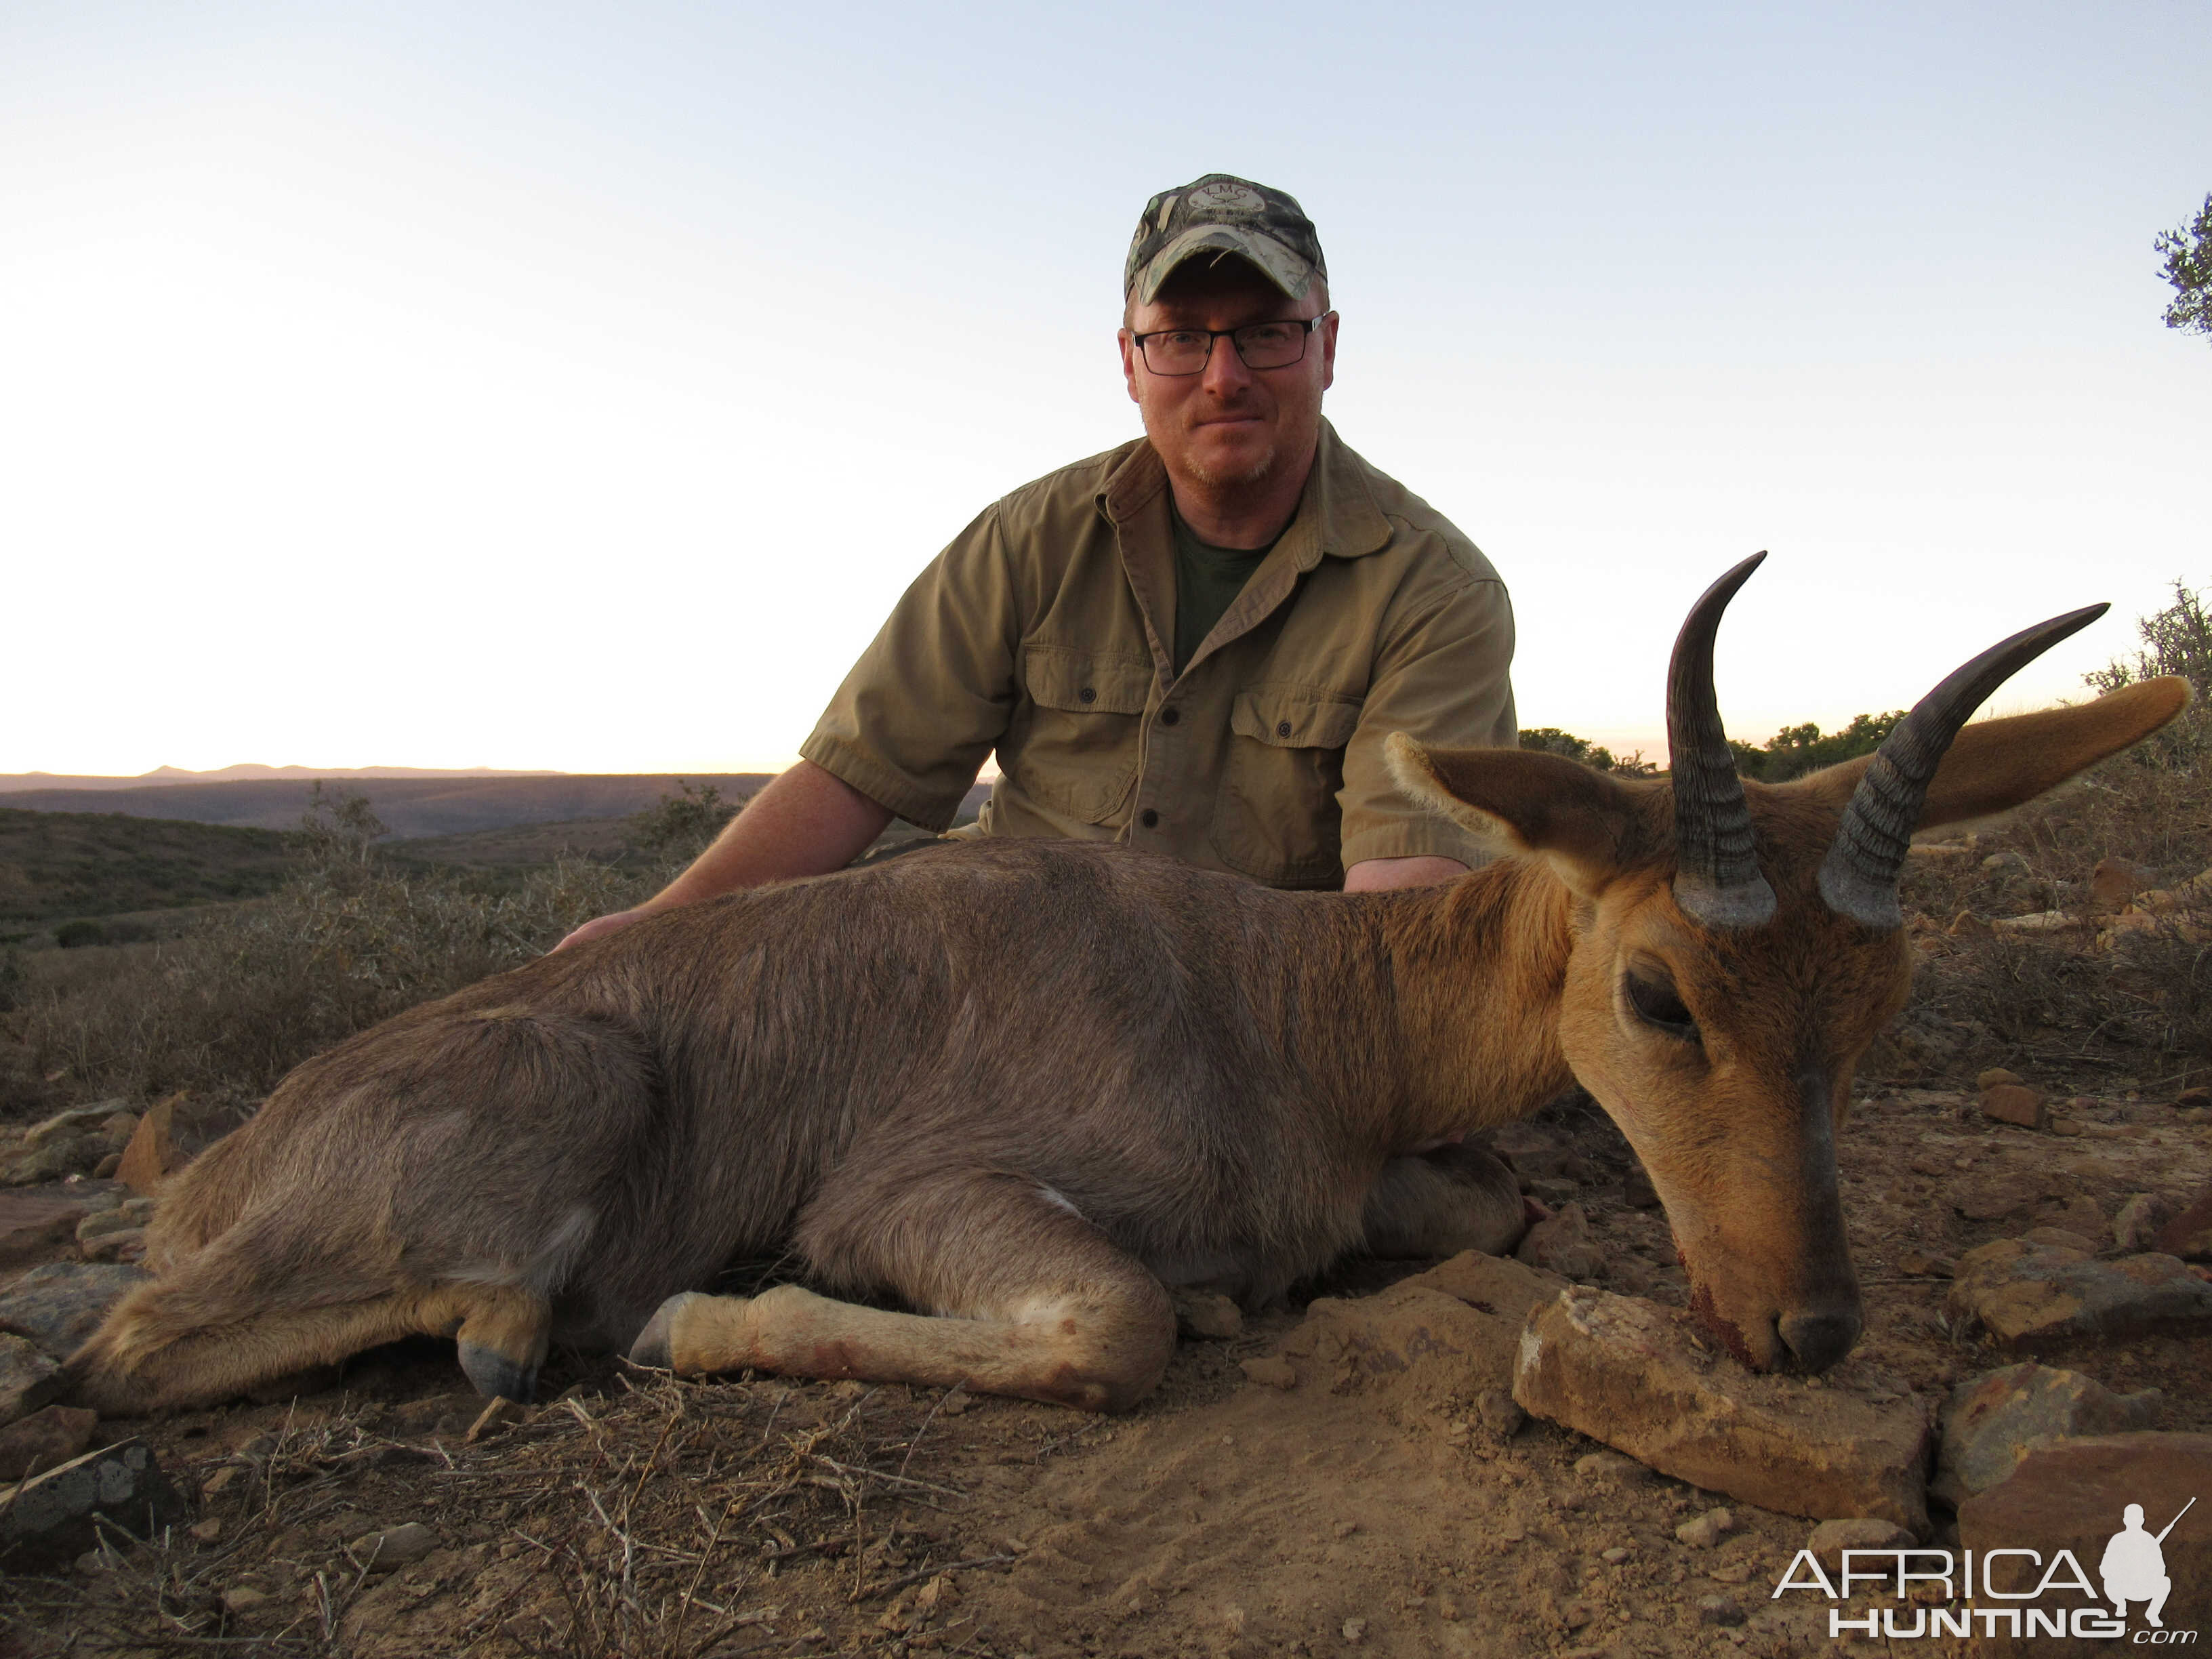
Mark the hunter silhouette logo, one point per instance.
(2134, 1567)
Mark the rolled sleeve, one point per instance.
(1446, 680)
(914, 720)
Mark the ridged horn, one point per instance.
(1716, 879)
(1858, 879)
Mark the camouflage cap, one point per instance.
(1221, 214)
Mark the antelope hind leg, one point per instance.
(1034, 1301)
(1441, 1202)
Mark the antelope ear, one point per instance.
(1523, 802)
(1995, 766)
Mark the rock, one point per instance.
(105, 1169)
(1536, 1151)
(49, 1518)
(1562, 1244)
(2064, 1238)
(220, 1479)
(124, 1244)
(2011, 1103)
(1997, 1077)
(1500, 1412)
(71, 1152)
(2114, 881)
(1859, 1532)
(2024, 1294)
(34, 1226)
(207, 1531)
(78, 1120)
(60, 1305)
(1270, 1371)
(1552, 1190)
(1355, 1630)
(242, 1598)
(2188, 1235)
(1611, 1466)
(2073, 1496)
(45, 1440)
(1995, 1418)
(1703, 1532)
(152, 1155)
(2136, 1223)
(1625, 1372)
(398, 1546)
(1209, 1314)
(29, 1379)
(105, 1221)
(1718, 1610)
(1994, 1197)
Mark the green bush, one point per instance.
(71, 935)
(1796, 750)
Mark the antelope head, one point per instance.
(1733, 947)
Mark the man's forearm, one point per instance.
(806, 822)
(1372, 875)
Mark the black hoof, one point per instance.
(652, 1345)
(496, 1375)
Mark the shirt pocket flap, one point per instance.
(1285, 717)
(1083, 682)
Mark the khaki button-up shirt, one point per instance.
(1046, 631)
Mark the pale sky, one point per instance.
(578, 386)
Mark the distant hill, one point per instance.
(12, 783)
(436, 804)
(54, 865)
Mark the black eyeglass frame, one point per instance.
(1306, 325)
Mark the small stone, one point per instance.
(2136, 1223)
(243, 1598)
(957, 1400)
(2188, 1235)
(49, 1518)
(1706, 1530)
(45, 1440)
(398, 1546)
(1611, 1466)
(2065, 1126)
(207, 1531)
(220, 1479)
(1996, 1077)
(60, 1305)
(1208, 1315)
(1625, 1372)
(124, 1244)
(1995, 1419)
(1355, 1630)
(2025, 1294)
(1561, 1243)
(29, 1379)
(1270, 1371)
(105, 1221)
(1926, 1266)
(2010, 1103)
(1500, 1412)
(1859, 1532)
(2115, 882)
(1718, 1610)
(1616, 1555)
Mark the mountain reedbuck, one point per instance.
(1022, 1087)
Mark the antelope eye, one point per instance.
(1651, 993)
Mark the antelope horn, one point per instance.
(1858, 879)
(1716, 879)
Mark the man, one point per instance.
(1194, 643)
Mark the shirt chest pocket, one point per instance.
(1076, 743)
(1276, 817)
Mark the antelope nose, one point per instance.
(1818, 1340)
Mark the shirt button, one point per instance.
(1169, 716)
(1148, 818)
(1089, 694)
(1282, 728)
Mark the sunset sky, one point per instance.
(577, 386)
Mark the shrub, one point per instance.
(73, 935)
(680, 826)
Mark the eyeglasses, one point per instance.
(1258, 345)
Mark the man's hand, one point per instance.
(601, 926)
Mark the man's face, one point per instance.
(1230, 426)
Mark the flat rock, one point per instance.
(79, 1120)
(2023, 1294)
(153, 1154)
(2015, 1103)
(35, 1224)
(1627, 1372)
(60, 1305)
(1994, 1197)
(29, 1379)
(72, 1151)
(2073, 1496)
(1995, 1419)
(2189, 1234)
(45, 1440)
(49, 1518)
(1450, 1332)
(400, 1546)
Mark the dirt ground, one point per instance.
(1364, 1511)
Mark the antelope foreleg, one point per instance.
(1441, 1202)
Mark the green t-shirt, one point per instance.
(1207, 579)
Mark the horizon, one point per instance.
(582, 390)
